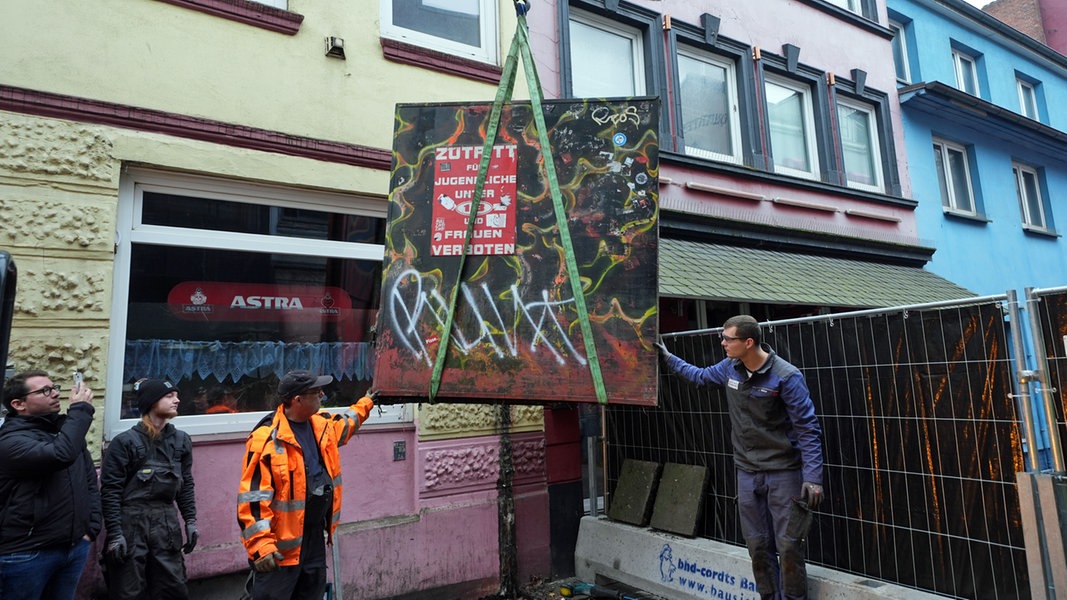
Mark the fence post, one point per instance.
(1043, 504)
(1042, 496)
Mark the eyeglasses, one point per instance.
(730, 338)
(47, 390)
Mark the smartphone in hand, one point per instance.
(77, 382)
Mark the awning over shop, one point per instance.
(718, 272)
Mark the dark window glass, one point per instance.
(240, 217)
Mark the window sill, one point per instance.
(441, 62)
(1040, 231)
(248, 12)
(975, 217)
(755, 174)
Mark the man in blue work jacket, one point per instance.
(777, 446)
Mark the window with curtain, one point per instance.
(861, 148)
(606, 58)
(710, 120)
(792, 127)
(221, 288)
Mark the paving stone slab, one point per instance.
(679, 499)
(632, 502)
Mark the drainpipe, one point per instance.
(1041, 378)
(1023, 378)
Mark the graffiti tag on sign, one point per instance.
(455, 177)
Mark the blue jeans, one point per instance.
(765, 501)
(51, 574)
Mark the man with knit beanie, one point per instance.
(145, 471)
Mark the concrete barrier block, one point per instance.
(680, 568)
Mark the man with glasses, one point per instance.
(49, 499)
(286, 521)
(777, 446)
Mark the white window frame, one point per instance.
(637, 47)
(900, 49)
(131, 231)
(1027, 98)
(488, 52)
(733, 111)
(855, 6)
(1030, 221)
(808, 118)
(875, 155)
(966, 67)
(942, 148)
(282, 4)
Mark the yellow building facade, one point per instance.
(146, 143)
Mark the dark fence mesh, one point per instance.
(921, 442)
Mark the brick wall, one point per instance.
(1024, 15)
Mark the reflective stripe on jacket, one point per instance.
(270, 498)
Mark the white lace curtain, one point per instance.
(178, 359)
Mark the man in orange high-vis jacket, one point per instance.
(289, 500)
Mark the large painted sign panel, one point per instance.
(516, 334)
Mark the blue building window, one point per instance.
(954, 178)
(966, 72)
(1031, 201)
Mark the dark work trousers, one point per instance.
(765, 504)
(155, 567)
(306, 581)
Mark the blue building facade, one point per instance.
(985, 140)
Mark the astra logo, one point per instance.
(268, 302)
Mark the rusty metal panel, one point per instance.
(516, 335)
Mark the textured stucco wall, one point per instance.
(58, 183)
(443, 421)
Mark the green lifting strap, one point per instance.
(520, 45)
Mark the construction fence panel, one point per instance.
(921, 444)
(1052, 317)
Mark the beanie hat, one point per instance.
(149, 391)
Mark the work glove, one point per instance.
(267, 563)
(192, 535)
(663, 351)
(363, 407)
(117, 549)
(811, 493)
